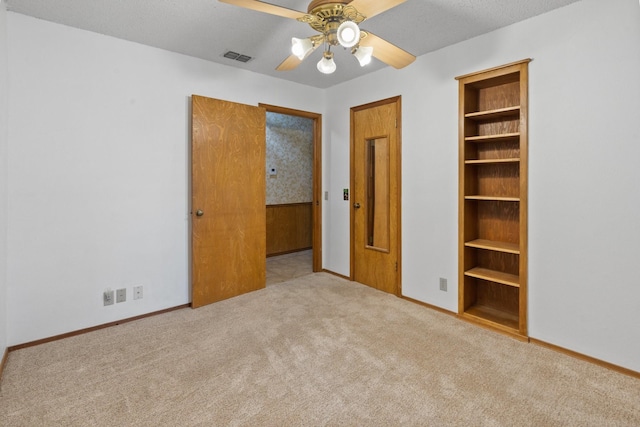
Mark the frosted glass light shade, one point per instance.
(326, 64)
(363, 54)
(300, 47)
(348, 34)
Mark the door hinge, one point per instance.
(396, 266)
(396, 123)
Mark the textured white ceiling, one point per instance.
(207, 28)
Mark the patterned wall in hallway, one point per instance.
(290, 152)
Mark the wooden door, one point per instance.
(228, 199)
(375, 182)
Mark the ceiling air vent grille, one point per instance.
(237, 56)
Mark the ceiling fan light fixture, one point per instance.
(326, 64)
(301, 47)
(363, 54)
(338, 22)
(348, 34)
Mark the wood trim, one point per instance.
(317, 176)
(352, 185)
(317, 194)
(377, 103)
(289, 111)
(289, 252)
(499, 67)
(586, 358)
(324, 270)
(461, 194)
(95, 328)
(524, 197)
(399, 207)
(432, 307)
(512, 333)
(4, 361)
(281, 205)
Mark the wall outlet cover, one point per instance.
(121, 295)
(107, 297)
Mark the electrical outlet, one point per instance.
(443, 284)
(121, 295)
(107, 297)
(137, 292)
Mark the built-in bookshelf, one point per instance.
(492, 278)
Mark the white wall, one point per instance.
(98, 171)
(584, 203)
(3, 177)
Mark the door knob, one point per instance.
(356, 205)
(199, 212)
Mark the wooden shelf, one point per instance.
(493, 138)
(491, 161)
(484, 314)
(493, 198)
(495, 114)
(510, 248)
(494, 276)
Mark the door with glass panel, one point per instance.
(375, 201)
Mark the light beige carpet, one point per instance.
(314, 351)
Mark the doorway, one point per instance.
(228, 226)
(375, 183)
(297, 212)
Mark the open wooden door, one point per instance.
(375, 183)
(228, 199)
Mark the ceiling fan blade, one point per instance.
(387, 52)
(289, 64)
(372, 8)
(261, 6)
(292, 61)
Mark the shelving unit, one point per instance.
(492, 277)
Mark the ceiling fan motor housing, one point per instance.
(316, 4)
(326, 16)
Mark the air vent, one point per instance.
(237, 56)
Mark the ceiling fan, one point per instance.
(337, 22)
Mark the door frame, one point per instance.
(397, 100)
(316, 215)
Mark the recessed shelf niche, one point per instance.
(492, 277)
